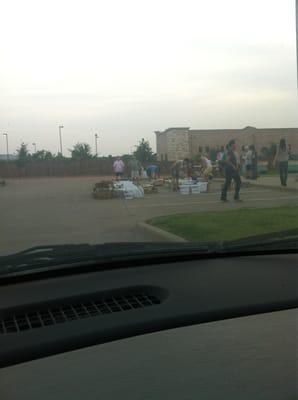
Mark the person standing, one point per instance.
(290, 151)
(220, 154)
(187, 166)
(176, 169)
(232, 166)
(248, 163)
(243, 160)
(282, 158)
(118, 168)
(254, 162)
(143, 173)
(206, 167)
(152, 171)
(135, 167)
(220, 159)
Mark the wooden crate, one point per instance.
(103, 194)
(103, 185)
(158, 182)
(149, 189)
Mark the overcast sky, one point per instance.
(123, 69)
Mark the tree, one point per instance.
(81, 151)
(126, 158)
(42, 155)
(60, 156)
(144, 152)
(23, 155)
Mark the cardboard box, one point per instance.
(103, 194)
(149, 189)
(158, 182)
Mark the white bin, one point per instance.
(184, 189)
(195, 189)
(203, 186)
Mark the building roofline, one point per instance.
(239, 130)
(214, 130)
(243, 130)
(174, 127)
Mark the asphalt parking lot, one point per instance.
(45, 211)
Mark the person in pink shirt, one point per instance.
(118, 167)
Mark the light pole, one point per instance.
(297, 38)
(60, 138)
(7, 153)
(34, 145)
(96, 138)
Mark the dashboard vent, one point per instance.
(70, 312)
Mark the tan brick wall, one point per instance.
(259, 138)
(266, 138)
(161, 145)
(181, 143)
(177, 145)
(203, 140)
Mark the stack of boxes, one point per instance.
(188, 186)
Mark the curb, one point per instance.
(280, 188)
(264, 186)
(167, 236)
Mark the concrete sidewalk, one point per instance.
(270, 182)
(273, 182)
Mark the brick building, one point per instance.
(177, 143)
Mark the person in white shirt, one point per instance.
(220, 154)
(206, 167)
(248, 164)
(118, 168)
(243, 155)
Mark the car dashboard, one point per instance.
(205, 328)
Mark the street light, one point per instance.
(34, 145)
(96, 138)
(7, 153)
(60, 138)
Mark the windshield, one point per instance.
(146, 126)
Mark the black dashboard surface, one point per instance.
(246, 358)
(138, 300)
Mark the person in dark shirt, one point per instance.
(152, 171)
(232, 166)
(188, 168)
(254, 162)
(176, 169)
(282, 158)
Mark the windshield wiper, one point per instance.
(41, 258)
(70, 254)
(275, 240)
